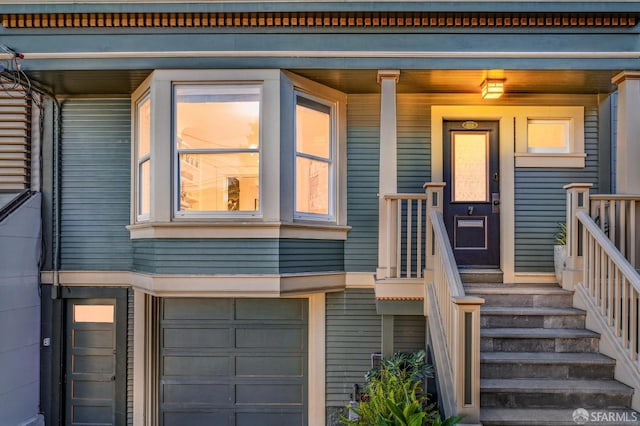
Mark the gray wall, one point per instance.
(20, 315)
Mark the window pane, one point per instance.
(219, 182)
(548, 136)
(93, 313)
(144, 188)
(313, 130)
(144, 128)
(312, 186)
(470, 165)
(217, 117)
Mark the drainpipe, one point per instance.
(57, 137)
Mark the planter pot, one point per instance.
(559, 257)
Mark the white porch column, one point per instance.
(388, 180)
(628, 139)
(628, 132)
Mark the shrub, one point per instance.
(395, 395)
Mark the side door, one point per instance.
(95, 374)
(471, 171)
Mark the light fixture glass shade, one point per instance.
(492, 88)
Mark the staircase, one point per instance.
(538, 362)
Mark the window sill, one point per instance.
(567, 160)
(200, 229)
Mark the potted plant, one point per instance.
(560, 251)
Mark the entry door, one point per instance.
(93, 375)
(472, 193)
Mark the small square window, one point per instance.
(548, 136)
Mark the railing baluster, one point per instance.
(617, 304)
(409, 234)
(612, 220)
(602, 215)
(419, 240)
(613, 272)
(632, 234)
(634, 323)
(399, 239)
(622, 241)
(625, 311)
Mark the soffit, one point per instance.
(123, 82)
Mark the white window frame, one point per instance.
(139, 161)
(175, 156)
(572, 156)
(568, 135)
(331, 216)
(275, 218)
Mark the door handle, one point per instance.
(495, 202)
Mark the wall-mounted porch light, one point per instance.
(492, 88)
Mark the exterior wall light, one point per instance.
(492, 88)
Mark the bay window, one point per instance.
(237, 154)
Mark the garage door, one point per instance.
(233, 362)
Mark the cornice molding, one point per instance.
(318, 20)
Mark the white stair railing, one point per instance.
(617, 217)
(601, 248)
(454, 319)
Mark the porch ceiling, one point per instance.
(468, 81)
(123, 82)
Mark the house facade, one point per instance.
(234, 218)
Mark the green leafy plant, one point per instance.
(561, 235)
(395, 395)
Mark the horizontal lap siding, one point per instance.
(311, 256)
(95, 177)
(540, 202)
(206, 256)
(414, 149)
(363, 160)
(352, 334)
(409, 333)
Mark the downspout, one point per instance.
(57, 138)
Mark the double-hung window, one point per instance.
(217, 149)
(143, 158)
(315, 151)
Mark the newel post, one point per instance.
(577, 201)
(435, 194)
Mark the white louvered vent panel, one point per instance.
(15, 138)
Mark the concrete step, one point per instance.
(514, 316)
(522, 295)
(538, 340)
(555, 417)
(545, 365)
(470, 275)
(549, 393)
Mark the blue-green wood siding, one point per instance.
(540, 202)
(352, 334)
(409, 333)
(95, 178)
(414, 151)
(311, 256)
(236, 256)
(206, 256)
(363, 161)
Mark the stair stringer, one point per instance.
(625, 372)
